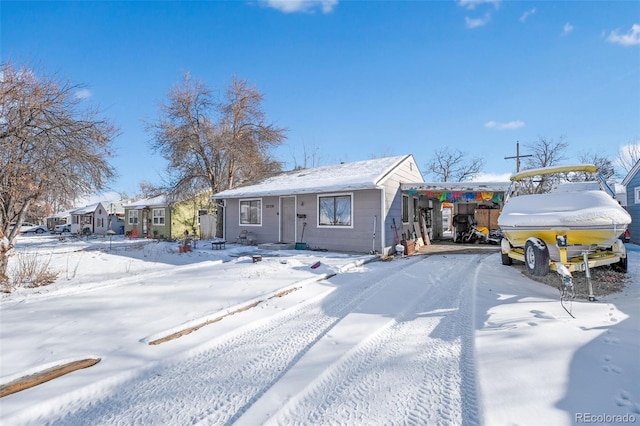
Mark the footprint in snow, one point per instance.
(625, 399)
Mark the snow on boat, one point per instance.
(562, 225)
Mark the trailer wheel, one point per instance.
(505, 246)
(621, 266)
(536, 256)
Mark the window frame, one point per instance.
(259, 209)
(405, 209)
(161, 218)
(133, 214)
(335, 196)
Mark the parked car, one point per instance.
(625, 236)
(59, 229)
(26, 228)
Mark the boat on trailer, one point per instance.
(573, 227)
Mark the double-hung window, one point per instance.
(251, 212)
(158, 216)
(133, 217)
(335, 210)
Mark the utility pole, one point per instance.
(517, 157)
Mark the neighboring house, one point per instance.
(158, 217)
(93, 219)
(632, 183)
(189, 214)
(347, 207)
(149, 217)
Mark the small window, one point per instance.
(405, 209)
(637, 192)
(250, 212)
(133, 217)
(335, 210)
(158, 216)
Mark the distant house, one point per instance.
(149, 217)
(158, 217)
(61, 218)
(632, 183)
(349, 207)
(92, 219)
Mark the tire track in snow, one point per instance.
(419, 367)
(218, 384)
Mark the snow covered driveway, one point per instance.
(394, 346)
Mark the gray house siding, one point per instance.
(633, 207)
(406, 172)
(366, 205)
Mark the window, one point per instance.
(133, 217)
(158, 216)
(335, 210)
(637, 192)
(405, 209)
(250, 212)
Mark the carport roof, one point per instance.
(457, 186)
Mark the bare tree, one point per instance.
(213, 145)
(311, 157)
(628, 156)
(451, 166)
(53, 148)
(544, 153)
(605, 165)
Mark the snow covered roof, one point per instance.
(86, 209)
(634, 170)
(368, 174)
(159, 201)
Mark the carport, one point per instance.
(441, 209)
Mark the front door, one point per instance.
(287, 219)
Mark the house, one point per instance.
(92, 219)
(351, 207)
(158, 217)
(148, 217)
(632, 184)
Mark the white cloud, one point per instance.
(83, 94)
(511, 125)
(294, 6)
(478, 22)
(527, 14)
(567, 28)
(632, 38)
(471, 4)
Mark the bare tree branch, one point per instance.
(55, 149)
(449, 166)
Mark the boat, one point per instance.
(576, 224)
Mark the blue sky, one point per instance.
(354, 79)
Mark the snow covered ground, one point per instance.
(443, 339)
